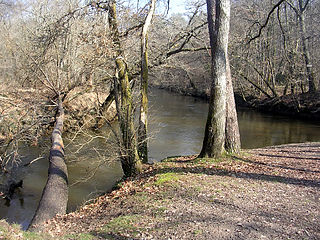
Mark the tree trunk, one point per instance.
(143, 119)
(214, 139)
(55, 194)
(130, 161)
(305, 48)
(232, 142)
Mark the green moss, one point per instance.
(197, 232)
(123, 224)
(166, 178)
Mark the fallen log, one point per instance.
(55, 194)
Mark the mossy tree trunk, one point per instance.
(55, 194)
(214, 139)
(130, 160)
(143, 118)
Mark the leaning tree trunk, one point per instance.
(214, 139)
(143, 119)
(130, 160)
(55, 194)
(232, 141)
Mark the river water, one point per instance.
(176, 125)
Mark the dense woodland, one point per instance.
(84, 64)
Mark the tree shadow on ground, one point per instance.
(238, 174)
(293, 157)
(277, 166)
(295, 145)
(239, 224)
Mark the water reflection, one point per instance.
(259, 130)
(177, 127)
(80, 165)
(176, 124)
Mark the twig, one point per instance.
(34, 160)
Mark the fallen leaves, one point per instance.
(229, 197)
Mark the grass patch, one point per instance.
(141, 197)
(170, 159)
(197, 188)
(80, 236)
(165, 178)
(123, 224)
(13, 232)
(158, 211)
(34, 236)
(244, 153)
(197, 232)
(208, 160)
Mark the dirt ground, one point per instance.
(268, 193)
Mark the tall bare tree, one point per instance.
(214, 139)
(300, 12)
(232, 141)
(143, 120)
(131, 163)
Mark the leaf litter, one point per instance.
(267, 193)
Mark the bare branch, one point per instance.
(187, 50)
(133, 28)
(266, 22)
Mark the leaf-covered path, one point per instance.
(269, 193)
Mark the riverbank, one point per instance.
(267, 193)
(302, 106)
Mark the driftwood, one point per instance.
(55, 194)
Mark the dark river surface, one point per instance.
(176, 125)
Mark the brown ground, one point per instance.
(269, 193)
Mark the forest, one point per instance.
(80, 71)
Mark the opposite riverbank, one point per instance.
(301, 106)
(267, 193)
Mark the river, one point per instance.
(176, 125)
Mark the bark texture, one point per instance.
(143, 119)
(214, 139)
(55, 194)
(232, 141)
(130, 160)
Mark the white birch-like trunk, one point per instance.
(143, 120)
